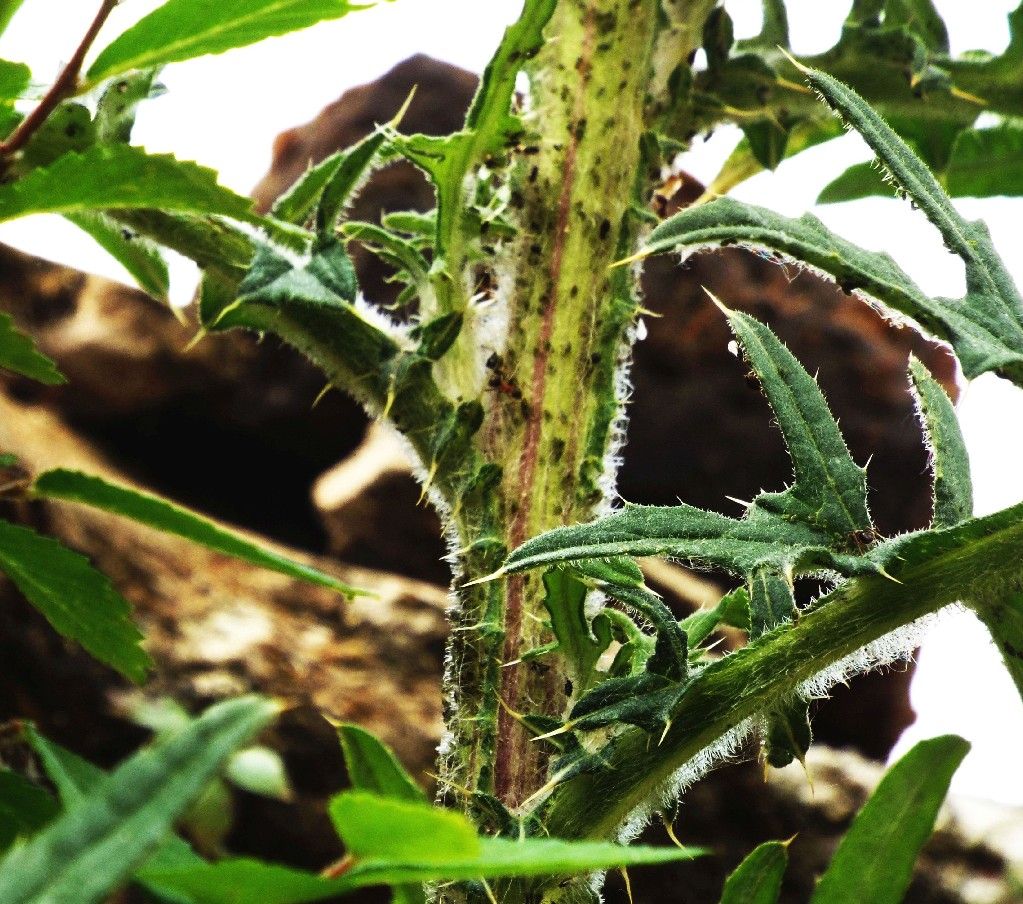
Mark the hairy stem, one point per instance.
(979, 560)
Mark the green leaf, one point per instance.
(68, 129)
(950, 464)
(861, 180)
(757, 880)
(75, 598)
(17, 353)
(99, 841)
(767, 140)
(14, 77)
(24, 808)
(830, 489)
(372, 766)
(985, 335)
(810, 526)
(121, 176)
(72, 776)
(732, 609)
(239, 881)
(986, 162)
(771, 601)
(897, 820)
(139, 256)
(145, 508)
(352, 169)
(395, 841)
(75, 778)
(401, 831)
(7, 10)
(117, 106)
(581, 645)
(1002, 614)
(183, 29)
(985, 327)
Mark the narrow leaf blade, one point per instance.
(76, 599)
(145, 508)
(897, 820)
(757, 880)
(372, 766)
(183, 29)
(18, 354)
(139, 256)
(97, 843)
(950, 463)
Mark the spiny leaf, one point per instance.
(732, 609)
(489, 124)
(338, 190)
(830, 489)
(145, 508)
(991, 294)
(897, 820)
(645, 700)
(121, 176)
(788, 734)
(75, 598)
(17, 353)
(950, 464)
(771, 601)
(139, 256)
(98, 841)
(808, 527)
(687, 533)
(984, 334)
(183, 29)
(372, 766)
(757, 880)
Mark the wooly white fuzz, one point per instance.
(897, 646)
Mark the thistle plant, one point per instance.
(576, 702)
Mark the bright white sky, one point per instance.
(225, 112)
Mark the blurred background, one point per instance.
(225, 112)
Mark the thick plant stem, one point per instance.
(550, 429)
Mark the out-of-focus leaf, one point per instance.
(17, 353)
(145, 508)
(874, 862)
(183, 29)
(372, 766)
(24, 808)
(75, 598)
(14, 77)
(137, 254)
(102, 838)
(757, 880)
(115, 111)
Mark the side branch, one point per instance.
(979, 559)
(64, 85)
